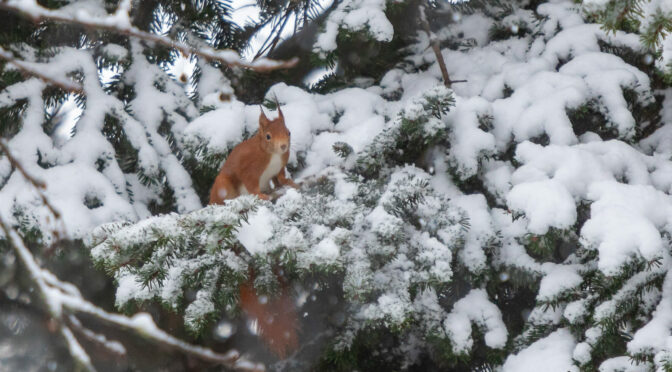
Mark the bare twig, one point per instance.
(113, 347)
(265, 46)
(228, 57)
(436, 47)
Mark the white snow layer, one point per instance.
(550, 354)
(475, 308)
(254, 233)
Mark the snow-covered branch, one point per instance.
(45, 294)
(30, 69)
(119, 22)
(39, 187)
(58, 296)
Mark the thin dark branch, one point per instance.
(43, 291)
(436, 47)
(111, 346)
(281, 23)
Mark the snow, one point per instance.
(475, 307)
(76, 350)
(575, 311)
(552, 354)
(655, 335)
(203, 305)
(582, 353)
(624, 364)
(129, 288)
(471, 142)
(437, 256)
(558, 280)
(536, 199)
(481, 230)
(327, 251)
(474, 26)
(646, 14)
(221, 129)
(355, 15)
(57, 295)
(625, 222)
(384, 224)
(254, 233)
(604, 75)
(389, 307)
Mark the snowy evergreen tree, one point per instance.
(484, 185)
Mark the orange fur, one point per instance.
(248, 166)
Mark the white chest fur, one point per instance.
(272, 169)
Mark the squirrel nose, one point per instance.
(283, 147)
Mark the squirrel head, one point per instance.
(274, 134)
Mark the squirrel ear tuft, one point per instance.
(280, 115)
(263, 120)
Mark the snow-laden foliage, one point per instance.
(375, 223)
(121, 160)
(519, 219)
(352, 16)
(651, 19)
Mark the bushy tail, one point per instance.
(276, 318)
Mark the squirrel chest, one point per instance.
(272, 169)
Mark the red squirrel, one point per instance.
(254, 162)
(249, 168)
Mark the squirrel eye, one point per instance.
(289, 133)
(268, 137)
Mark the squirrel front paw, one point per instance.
(292, 184)
(263, 196)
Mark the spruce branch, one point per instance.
(119, 23)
